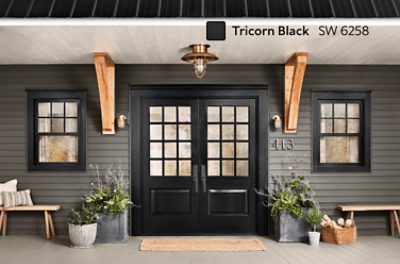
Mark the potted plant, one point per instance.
(82, 228)
(289, 202)
(314, 217)
(110, 199)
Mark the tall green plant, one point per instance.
(288, 197)
(110, 193)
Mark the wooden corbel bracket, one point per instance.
(295, 68)
(105, 71)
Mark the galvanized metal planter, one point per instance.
(112, 229)
(290, 229)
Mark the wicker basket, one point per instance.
(343, 236)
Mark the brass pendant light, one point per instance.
(199, 57)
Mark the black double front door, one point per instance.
(198, 166)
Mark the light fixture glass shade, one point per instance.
(200, 66)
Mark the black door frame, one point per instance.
(251, 91)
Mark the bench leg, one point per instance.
(397, 221)
(350, 215)
(391, 223)
(4, 227)
(1, 219)
(52, 229)
(46, 224)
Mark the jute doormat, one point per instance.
(202, 244)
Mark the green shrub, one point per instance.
(314, 217)
(110, 193)
(85, 216)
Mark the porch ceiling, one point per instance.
(164, 41)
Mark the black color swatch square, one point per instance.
(216, 30)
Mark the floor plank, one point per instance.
(24, 249)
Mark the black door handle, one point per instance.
(203, 177)
(196, 178)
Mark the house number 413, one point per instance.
(283, 144)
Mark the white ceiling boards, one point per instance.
(164, 41)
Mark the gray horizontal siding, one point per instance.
(65, 188)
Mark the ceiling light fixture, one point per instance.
(199, 57)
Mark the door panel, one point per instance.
(227, 200)
(169, 152)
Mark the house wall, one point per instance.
(66, 188)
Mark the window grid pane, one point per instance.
(57, 136)
(340, 132)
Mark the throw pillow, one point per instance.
(12, 199)
(10, 186)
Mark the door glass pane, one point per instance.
(326, 110)
(213, 168)
(339, 150)
(170, 150)
(62, 149)
(170, 132)
(185, 150)
(213, 132)
(71, 109)
(213, 150)
(169, 114)
(43, 125)
(170, 168)
(228, 132)
(242, 150)
(44, 109)
(184, 114)
(71, 125)
(228, 150)
(242, 168)
(155, 114)
(228, 114)
(185, 168)
(155, 132)
(353, 110)
(213, 114)
(242, 114)
(155, 150)
(326, 126)
(228, 168)
(340, 110)
(184, 132)
(57, 109)
(156, 167)
(353, 125)
(242, 132)
(340, 125)
(57, 125)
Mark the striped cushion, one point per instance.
(10, 186)
(11, 199)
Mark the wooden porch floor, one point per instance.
(32, 250)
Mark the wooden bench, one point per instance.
(391, 208)
(46, 209)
